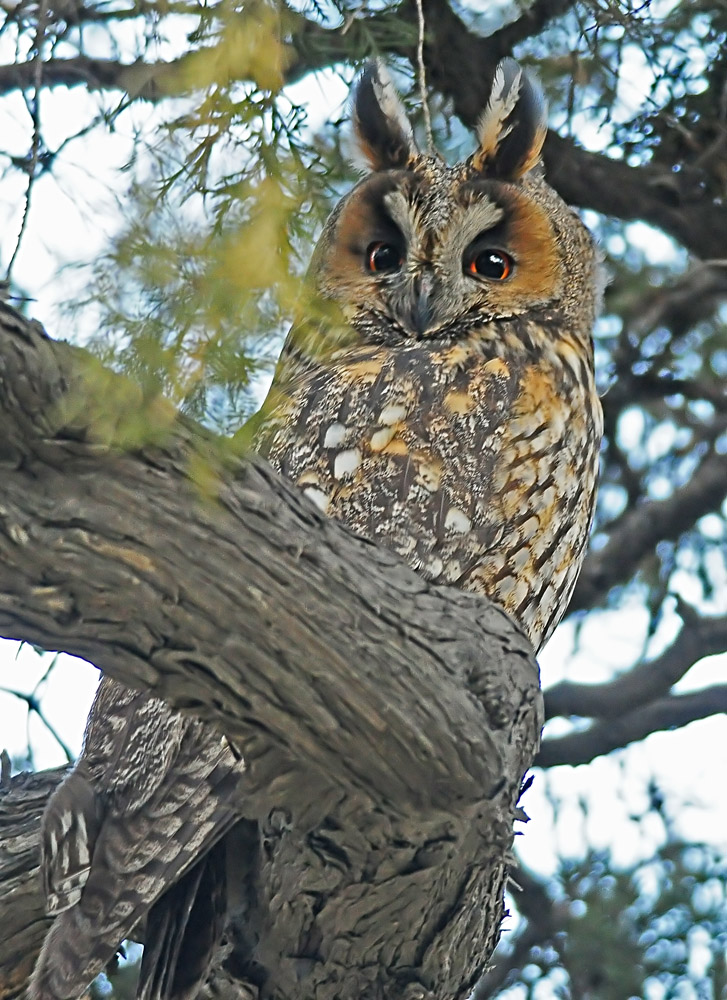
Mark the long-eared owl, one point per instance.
(444, 403)
(439, 399)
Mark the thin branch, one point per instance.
(699, 637)
(32, 703)
(422, 77)
(671, 712)
(33, 106)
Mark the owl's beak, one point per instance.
(421, 313)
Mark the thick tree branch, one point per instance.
(546, 919)
(649, 193)
(74, 510)
(401, 715)
(671, 712)
(533, 19)
(698, 638)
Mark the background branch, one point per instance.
(636, 533)
(700, 637)
(460, 64)
(660, 715)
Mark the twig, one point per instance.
(6, 767)
(422, 77)
(34, 111)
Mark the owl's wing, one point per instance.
(153, 792)
(70, 827)
(185, 923)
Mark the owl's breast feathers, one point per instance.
(476, 460)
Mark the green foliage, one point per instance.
(198, 286)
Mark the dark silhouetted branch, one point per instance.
(698, 638)
(671, 712)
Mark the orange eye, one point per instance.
(493, 264)
(383, 258)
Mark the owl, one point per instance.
(436, 396)
(440, 398)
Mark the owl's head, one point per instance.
(420, 250)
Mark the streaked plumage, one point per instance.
(449, 415)
(151, 794)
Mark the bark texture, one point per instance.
(387, 723)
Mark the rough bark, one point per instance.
(387, 723)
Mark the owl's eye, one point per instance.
(383, 257)
(493, 264)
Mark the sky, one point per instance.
(73, 213)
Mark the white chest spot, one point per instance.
(457, 520)
(319, 498)
(346, 463)
(392, 414)
(380, 438)
(334, 436)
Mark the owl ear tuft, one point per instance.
(513, 126)
(383, 136)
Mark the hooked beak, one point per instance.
(420, 316)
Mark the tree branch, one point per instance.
(671, 712)
(460, 66)
(649, 193)
(545, 919)
(637, 532)
(698, 638)
(264, 559)
(533, 19)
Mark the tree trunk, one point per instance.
(387, 723)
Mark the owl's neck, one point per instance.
(540, 337)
